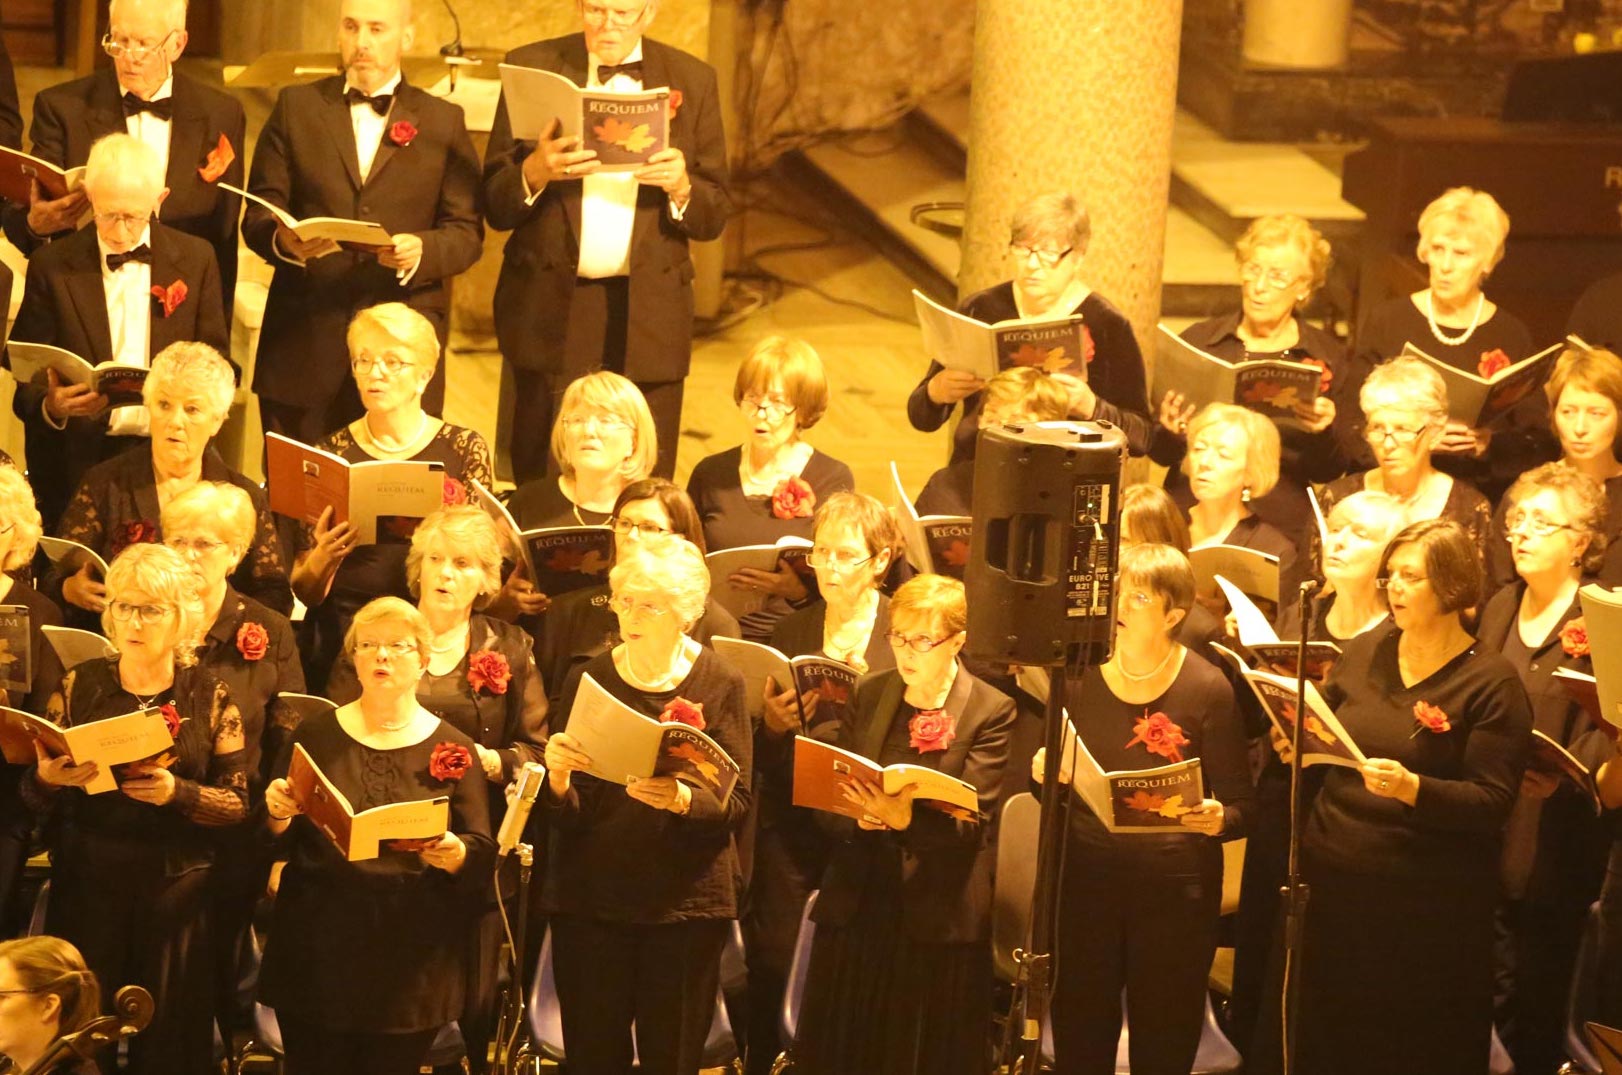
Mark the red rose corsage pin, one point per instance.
(170, 297)
(1492, 361)
(1158, 734)
(680, 711)
(488, 671)
(931, 730)
(675, 103)
(793, 499)
(221, 157)
(449, 761)
(402, 133)
(1430, 718)
(1574, 638)
(134, 532)
(252, 641)
(171, 718)
(453, 493)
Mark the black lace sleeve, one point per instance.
(222, 797)
(472, 449)
(262, 575)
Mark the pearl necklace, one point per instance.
(1436, 330)
(403, 446)
(1120, 666)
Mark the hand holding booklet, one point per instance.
(959, 342)
(383, 499)
(623, 129)
(120, 383)
(822, 772)
(1323, 740)
(359, 837)
(1134, 800)
(363, 235)
(1276, 387)
(833, 681)
(113, 743)
(624, 745)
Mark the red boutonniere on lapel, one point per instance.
(402, 133)
(675, 103)
(253, 641)
(1574, 637)
(1492, 361)
(171, 718)
(488, 671)
(170, 297)
(793, 499)
(221, 157)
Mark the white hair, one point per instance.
(177, 11)
(123, 158)
(192, 364)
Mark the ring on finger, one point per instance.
(1384, 785)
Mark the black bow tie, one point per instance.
(380, 103)
(164, 109)
(118, 261)
(606, 71)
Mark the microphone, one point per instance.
(1308, 587)
(512, 825)
(455, 47)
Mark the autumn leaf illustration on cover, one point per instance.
(1049, 360)
(701, 764)
(633, 138)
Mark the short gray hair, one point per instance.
(190, 364)
(666, 564)
(122, 156)
(1405, 383)
(177, 12)
(1057, 215)
(1473, 212)
(17, 507)
(469, 529)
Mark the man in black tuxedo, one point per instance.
(597, 274)
(120, 291)
(196, 131)
(364, 145)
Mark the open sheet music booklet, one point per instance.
(1272, 386)
(624, 129)
(363, 235)
(1251, 570)
(120, 383)
(724, 562)
(114, 744)
(1602, 615)
(958, 342)
(19, 171)
(934, 544)
(1479, 398)
(625, 745)
(383, 499)
(1256, 634)
(822, 771)
(557, 559)
(1323, 740)
(1134, 800)
(834, 681)
(359, 836)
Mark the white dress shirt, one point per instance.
(129, 317)
(368, 125)
(149, 128)
(608, 200)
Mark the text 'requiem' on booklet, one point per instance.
(934, 544)
(1323, 740)
(1481, 396)
(1269, 653)
(624, 129)
(834, 681)
(119, 382)
(114, 744)
(556, 559)
(359, 837)
(822, 772)
(959, 342)
(625, 745)
(723, 563)
(383, 499)
(1134, 800)
(16, 649)
(1275, 387)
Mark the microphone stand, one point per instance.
(1295, 890)
(511, 1023)
(132, 1011)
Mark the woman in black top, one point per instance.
(1139, 911)
(131, 865)
(1402, 854)
(767, 489)
(480, 678)
(46, 993)
(393, 350)
(641, 880)
(603, 440)
(1282, 261)
(856, 541)
(1585, 400)
(899, 979)
(188, 395)
(1016, 396)
(1554, 845)
(1461, 240)
(579, 625)
(251, 649)
(1049, 240)
(366, 960)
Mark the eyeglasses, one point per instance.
(398, 648)
(597, 15)
(626, 527)
(391, 364)
(200, 546)
(629, 606)
(123, 612)
(1535, 525)
(1402, 577)
(1398, 436)
(829, 560)
(771, 405)
(127, 221)
(1138, 599)
(20, 992)
(1048, 259)
(605, 423)
(1277, 279)
(916, 643)
(117, 47)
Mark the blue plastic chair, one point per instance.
(546, 1015)
(794, 990)
(266, 1044)
(36, 918)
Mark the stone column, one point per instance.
(1289, 33)
(1075, 95)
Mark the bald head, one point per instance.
(372, 36)
(172, 13)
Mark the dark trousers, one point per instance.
(139, 922)
(1141, 916)
(16, 830)
(316, 1050)
(662, 978)
(237, 884)
(1536, 951)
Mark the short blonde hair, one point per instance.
(162, 573)
(1057, 215)
(1405, 383)
(469, 529)
(1031, 388)
(1583, 497)
(190, 364)
(19, 509)
(669, 565)
(608, 391)
(1475, 213)
(410, 331)
(797, 365)
(1372, 508)
(1162, 570)
(1261, 442)
(940, 599)
(217, 508)
(1597, 370)
(390, 610)
(1287, 229)
(122, 158)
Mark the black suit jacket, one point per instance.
(64, 305)
(306, 162)
(69, 118)
(11, 115)
(945, 864)
(535, 292)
